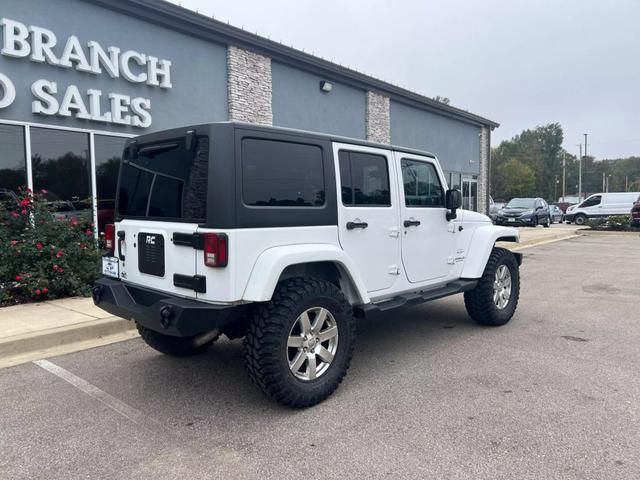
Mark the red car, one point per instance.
(635, 213)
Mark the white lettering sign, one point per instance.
(8, 91)
(42, 46)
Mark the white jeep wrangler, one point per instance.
(283, 237)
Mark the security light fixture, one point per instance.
(326, 86)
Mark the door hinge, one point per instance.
(451, 227)
(393, 270)
(450, 260)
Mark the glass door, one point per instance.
(470, 193)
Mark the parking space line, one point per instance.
(113, 403)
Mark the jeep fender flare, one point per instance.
(272, 262)
(481, 245)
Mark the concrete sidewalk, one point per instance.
(38, 330)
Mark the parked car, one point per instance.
(601, 205)
(635, 213)
(556, 214)
(282, 241)
(524, 211)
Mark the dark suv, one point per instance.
(525, 211)
(635, 213)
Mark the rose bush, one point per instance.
(41, 256)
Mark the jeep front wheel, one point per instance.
(298, 346)
(495, 298)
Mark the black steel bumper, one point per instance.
(167, 314)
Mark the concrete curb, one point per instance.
(598, 232)
(57, 341)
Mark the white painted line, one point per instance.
(113, 403)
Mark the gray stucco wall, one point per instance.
(454, 143)
(198, 72)
(298, 102)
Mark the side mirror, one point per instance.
(452, 201)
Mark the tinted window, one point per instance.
(165, 180)
(108, 153)
(12, 161)
(364, 179)
(60, 163)
(422, 187)
(591, 202)
(282, 174)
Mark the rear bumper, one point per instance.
(167, 314)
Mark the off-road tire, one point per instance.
(580, 219)
(172, 346)
(265, 344)
(479, 301)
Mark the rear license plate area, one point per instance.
(151, 253)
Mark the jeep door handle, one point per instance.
(352, 225)
(411, 223)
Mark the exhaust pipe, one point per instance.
(206, 337)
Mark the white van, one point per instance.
(601, 205)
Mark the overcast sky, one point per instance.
(520, 63)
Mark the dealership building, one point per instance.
(79, 77)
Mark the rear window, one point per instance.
(282, 174)
(165, 180)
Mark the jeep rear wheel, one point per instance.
(173, 346)
(495, 298)
(299, 345)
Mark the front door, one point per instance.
(368, 213)
(428, 242)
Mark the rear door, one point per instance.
(368, 213)
(161, 201)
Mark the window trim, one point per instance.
(435, 169)
(339, 186)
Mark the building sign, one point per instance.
(39, 45)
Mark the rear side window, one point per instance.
(165, 180)
(364, 179)
(282, 174)
(422, 187)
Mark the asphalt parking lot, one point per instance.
(555, 394)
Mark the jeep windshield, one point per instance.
(528, 203)
(164, 180)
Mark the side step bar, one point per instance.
(408, 299)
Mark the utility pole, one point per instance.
(564, 174)
(580, 174)
(555, 189)
(603, 180)
(626, 183)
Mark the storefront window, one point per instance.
(60, 165)
(13, 172)
(108, 152)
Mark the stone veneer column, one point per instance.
(378, 118)
(483, 176)
(249, 86)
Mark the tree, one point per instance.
(539, 149)
(519, 179)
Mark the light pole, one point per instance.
(580, 174)
(555, 189)
(564, 175)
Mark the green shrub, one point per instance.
(42, 257)
(615, 223)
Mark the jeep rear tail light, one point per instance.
(109, 236)
(216, 249)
